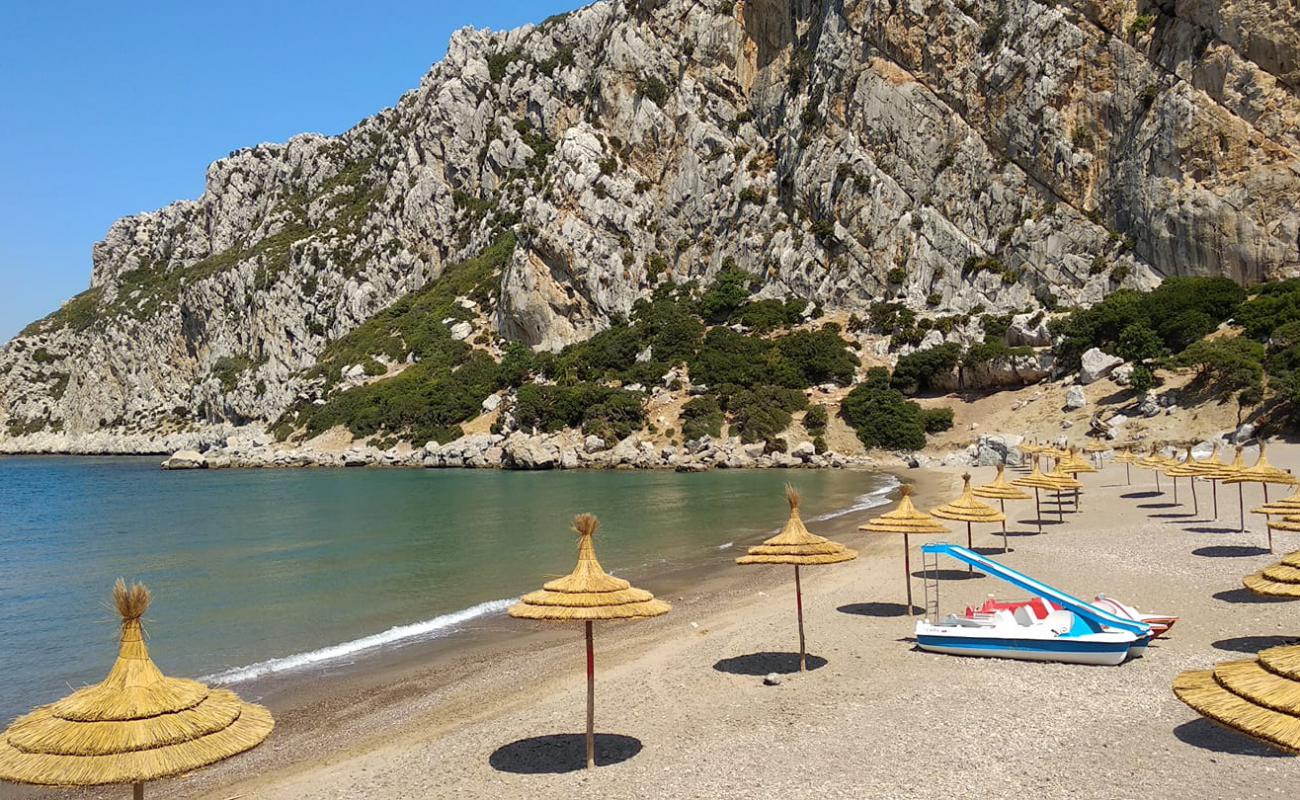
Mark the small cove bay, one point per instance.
(274, 570)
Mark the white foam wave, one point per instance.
(427, 628)
(872, 499)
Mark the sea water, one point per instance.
(265, 571)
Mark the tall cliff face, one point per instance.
(956, 155)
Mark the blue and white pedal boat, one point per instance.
(1076, 632)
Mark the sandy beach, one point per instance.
(682, 710)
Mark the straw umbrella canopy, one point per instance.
(907, 520)
(1189, 469)
(1280, 580)
(587, 595)
(1002, 491)
(1259, 697)
(136, 726)
(1262, 473)
(1156, 462)
(970, 511)
(1073, 465)
(796, 545)
(1126, 458)
(1094, 450)
(1036, 480)
(1062, 482)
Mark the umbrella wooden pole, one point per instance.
(1175, 491)
(1158, 489)
(970, 545)
(1038, 511)
(907, 572)
(798, 602)
(137, 791)
(1002, 502)
(591, 699)
(1266, 493)
(1214, 490)
(1060, 507)
(1128, 476)
(1270, 535)
(1196, 504)
(1241, 507)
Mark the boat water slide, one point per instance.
(1085, 614)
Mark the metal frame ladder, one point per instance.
(930, 584)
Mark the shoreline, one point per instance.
(357, 704)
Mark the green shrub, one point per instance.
(1142, 379)
(820, 356)
(702, 416)
(768, 315)
(653, 89)
(881, 416)
(936, 420)
(1230, 364)
(729, 291)
(594, 408)
(227, 370)
(1139, 343)
(816, 419)
(762, 413)
(918, 371)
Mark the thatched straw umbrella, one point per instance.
(1256, 697)
(1002, 491)
(1260, 697)
(587, 595)
(1214, 470)
(1189, 469)
(1094, 450)
(1262, 473)
(1126, 458)
(1288, 508)
(969, 510)
(1280, 580)
(1063, 482)
(907, 520)
(796, 545)
(136, 726)
(1156, 462)
(1073, 465)
(1036, 480)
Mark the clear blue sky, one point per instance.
(111, 109)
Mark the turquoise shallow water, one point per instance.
(271, 570)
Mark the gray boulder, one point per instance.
(1026, 332)
(1075, 398)
(1097, 365)
(186, 459)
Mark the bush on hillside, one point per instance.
(816, 419)
(702, 416)
(762, 413)
(819, 356)
(881, 416)
(918, 371)
(936, 420)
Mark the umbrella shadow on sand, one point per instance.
(1140, 495)
(1230, 551)
(947, 574)
(1253, 644)
(1247, 596)
(878, 609)
(763, 663)
(1207, 735)
(1212, 529)
(561, 752)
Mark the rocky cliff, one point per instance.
(959, 156)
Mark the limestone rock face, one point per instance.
(995, 155)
